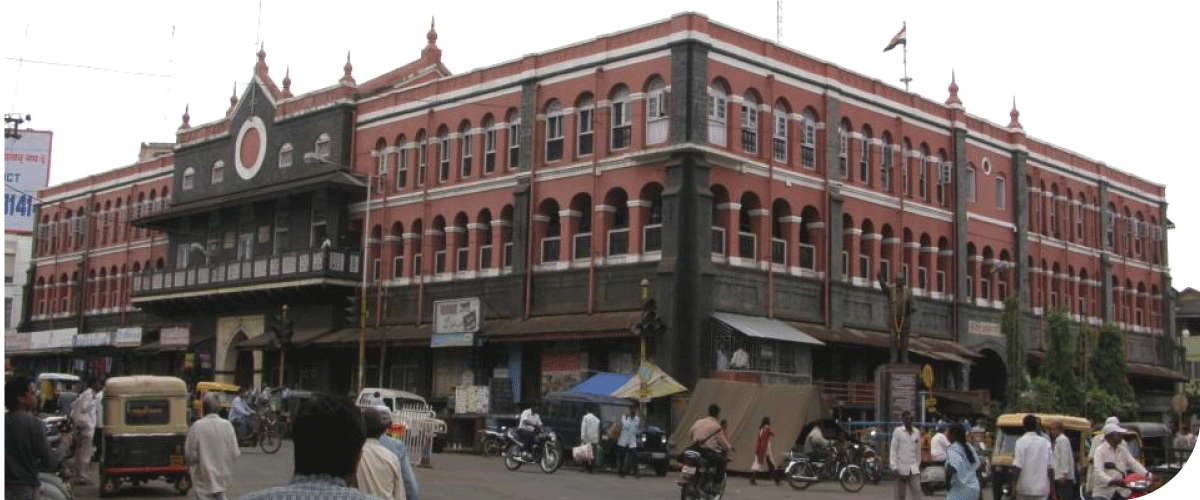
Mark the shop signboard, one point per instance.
(174, 335)
(63, 338)
(128, 337)
(452, 340)
(97, 339)
(457, 316)
(16, 342)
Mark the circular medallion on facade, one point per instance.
(251, 148)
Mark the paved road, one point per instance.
(469, 477)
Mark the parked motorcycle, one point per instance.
(546, 451)
(493, 441)
(802, 471)
(865, 456)
(698, 479)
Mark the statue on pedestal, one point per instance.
(900, 311)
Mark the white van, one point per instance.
(405, 407)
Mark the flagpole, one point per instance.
(906, 79)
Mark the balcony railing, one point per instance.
(582, 247)
(652, 238)
(848, 393)
(300, 264)
(618, 242)
(656, 130)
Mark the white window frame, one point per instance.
(489, 150)
(444, 158)
(381, 161)
(780, 147)
(285, 155)
(218, 172)
(970, 187)
(401, 166)
(465, 161)
(554, 133)
(621, 119)
(749, 126)
(584, 126)
(885, 166)
(808, 143)
(324, 146)
(923, 180)
(1001, 192)
(188, 182)
(843, 152)
(514, 144)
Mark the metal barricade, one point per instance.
(419, 429)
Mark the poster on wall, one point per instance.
(26, 170)
(171, 335)
(457, 316)
(472, 399)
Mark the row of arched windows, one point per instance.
(1072, 217)
(1081, 292)
(105, 288)
(66, 231)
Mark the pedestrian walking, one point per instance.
(763, 456)
(1031, 463)
(83, 413)
(327, 436)
(239, 415)
(1062, 462)
(25, 448)
(905, 459)
(627, 443)
(962, 466)
(210, 449)
(391, 440)
(589, 435)
(379, 469)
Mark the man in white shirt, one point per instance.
(83, 413)
(1031, 463)
(1110, 461)
(378, 470)
(740, 360)
(589, 434)
(528, 425)
(239, 414)
(938, 445)
(815, 443)
(210, 449)
(627, 442)
(905, 458)
(1062, 461)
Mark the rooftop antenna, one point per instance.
(778, 21)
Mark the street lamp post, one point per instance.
(362, 297)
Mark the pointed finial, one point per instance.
(233, 96)
(431, 50)
(186, 117)
(287, 82)
(953, 100)
(432, 35)
(347, 69)
(1015, 115)
(260, 67)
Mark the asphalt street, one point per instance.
(470, 477)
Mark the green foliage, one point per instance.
(1101, 405)
(1108, 372)
(1010, 324)
(1042, 397)
(1061, 363)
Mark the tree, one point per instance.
(1010, 323)
(1110, 390)
(1061, 361)
(1042, 397)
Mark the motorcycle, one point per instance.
(493, 441)
(802, 471)
(546, 451)
(1138, 485)
(698, 479)
(865, 456)
(56, 485)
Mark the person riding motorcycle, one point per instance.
(528, 425)
(706, 433)
(815, 444)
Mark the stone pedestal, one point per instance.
(896, 387)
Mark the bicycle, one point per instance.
(266, 433)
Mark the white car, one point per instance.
(405, 407)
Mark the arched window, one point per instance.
(439, 244)
(285, 155)
(1080, 220)
(462, 250)
(551, 244)
(554, 131)
(1139, 231)
(324, 146)
(844, 150)
(864, 156)
(189, 178)
(465, 143)
(514, 139)
(652, 217)
(808, 141)
(584, 118)
(489, 144)
(1054, 210)
(747, 233)
(422, 158)
(656, 111)
(381, 155)
(401, 162)
(923, 173)
(485, 238)
(618, 230)
(780, 136)
(749, 122)
(443, 138)
(581, 245)
(969, 182)
(888, 151)
(506, 218)
(1001, 193)
(621, 121)
(718, 108)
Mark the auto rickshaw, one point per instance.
(226, 391)
(1159, 454)
(145, 428)
(1132, 440)
(1010, 428)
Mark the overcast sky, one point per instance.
(1114, 81)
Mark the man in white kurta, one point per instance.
(210, 450)
(905, 459)
(1112, 452)
(83, 413)
(1031, 463)
(378, 470)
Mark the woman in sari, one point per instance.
(762, 454)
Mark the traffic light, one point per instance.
(353, 309)
(289, 327)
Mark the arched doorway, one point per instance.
(239, 362)
(990, 373)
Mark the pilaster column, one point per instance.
(639, 210)
(874, 245)
(456, 237)
(475, 232)
(538, 225)
(853, 238)
(816, 233)
(760, 222)
(499, 226)
(412, 247)
(790, 224)
(568, 221)
(600, 231)
(729, 213)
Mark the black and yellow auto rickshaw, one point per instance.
(1009, 428)
(145, 427)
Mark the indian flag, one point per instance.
(900, 38)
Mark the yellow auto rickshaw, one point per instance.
(226, 391)
(145, 427)
(1010, 428)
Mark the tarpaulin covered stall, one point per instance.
(743, 405)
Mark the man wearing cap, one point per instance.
(1110, 461)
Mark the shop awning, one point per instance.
(537, 328)
(602, 383)
(765, 328)
(1144, 370)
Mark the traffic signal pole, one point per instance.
(362, 297)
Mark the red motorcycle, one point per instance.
(1138, 485)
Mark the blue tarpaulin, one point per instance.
(602, 383)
